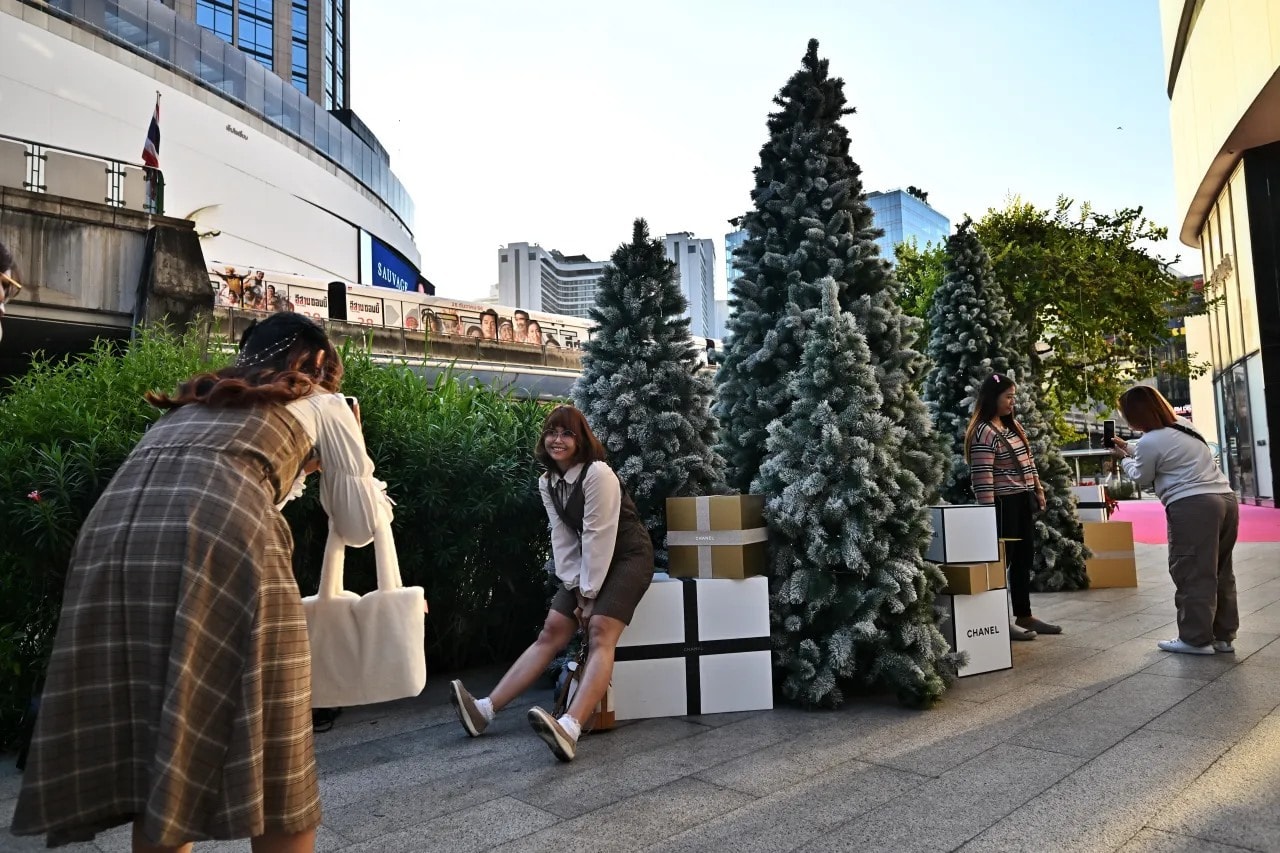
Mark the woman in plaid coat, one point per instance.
(178, 696)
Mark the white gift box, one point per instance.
(963, 533)
(978, 624)
(1091, 503)
(695, 646)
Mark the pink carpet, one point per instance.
(1257, 524)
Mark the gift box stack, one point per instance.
(699, 640)
(975, 603)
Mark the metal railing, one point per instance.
(43, 168)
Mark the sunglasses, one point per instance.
(559, 433)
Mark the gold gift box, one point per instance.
(720, 536)
(1113, 563)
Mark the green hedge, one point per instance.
(456, 456)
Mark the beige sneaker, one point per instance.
(468, 714)
(550, 730)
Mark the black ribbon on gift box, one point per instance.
(692, 649)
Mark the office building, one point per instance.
(539, 279)
(695, 262)
(903, 216)
(1222, 64)
(259, 145)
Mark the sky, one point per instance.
(559, 123)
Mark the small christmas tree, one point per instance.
(972, 336)
(1060, 551)
(851, 607)
(642, 388)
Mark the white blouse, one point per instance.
(354, 500)
(582, 564)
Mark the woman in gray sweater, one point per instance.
(1203, 514)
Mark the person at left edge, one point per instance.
(178, 696)
(604, 560)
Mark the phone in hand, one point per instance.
(1108, 434)
(352, 403)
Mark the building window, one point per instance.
(255, 36)
(532, 256)
(216, 15)
(335, 70)
(298, 62)
(504, 258)
(693, 249)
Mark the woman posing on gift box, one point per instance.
(604, 560)
(179, 692)
(1204, 519)
(1004, 473)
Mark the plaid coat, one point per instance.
(179, 686)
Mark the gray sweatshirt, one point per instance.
(1179, 465)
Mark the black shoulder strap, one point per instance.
(561, 508)
(1012, 451)
(1185, 431)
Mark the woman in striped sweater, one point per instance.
(1003, 473)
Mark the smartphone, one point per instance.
(352, 403)
(1108, 434)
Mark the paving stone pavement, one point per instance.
(1094, 741)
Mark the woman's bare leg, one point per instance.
(603, 633)
(556, 633)
(279, 842)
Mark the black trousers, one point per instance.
(1015, 523)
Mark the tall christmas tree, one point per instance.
(810, 220)
(642, 387)
(850, 607)
(973, 335)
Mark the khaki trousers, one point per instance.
(1202, 533)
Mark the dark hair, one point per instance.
(6, 258)
(276, 364)
(490, 312)
(519, 311)
(588, 448)
(984, 409)
(1146, 409)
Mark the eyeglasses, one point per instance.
(560, 434)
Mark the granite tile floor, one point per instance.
(1094, 741)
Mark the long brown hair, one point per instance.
(276, 364)
(588, 448)
(1146, 409)
(984, 410)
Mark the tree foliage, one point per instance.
(919, 271)
(850, 605)
(642, 387)
(1085, 284)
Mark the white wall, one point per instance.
(274, 206)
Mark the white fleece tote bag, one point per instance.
(365, 648)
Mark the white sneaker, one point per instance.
(1224, 647)
(1177, 646)
(553, 734)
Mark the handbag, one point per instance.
(365, 648)
(602, 718)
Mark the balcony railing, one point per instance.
(44, 168)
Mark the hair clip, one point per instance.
(263, 355)
(996, 377)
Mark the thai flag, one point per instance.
(151, 149)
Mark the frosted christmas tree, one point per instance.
(642, 387)
(850, 607)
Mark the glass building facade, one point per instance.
(902, 216)
(208, 57)
(1241, 258)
